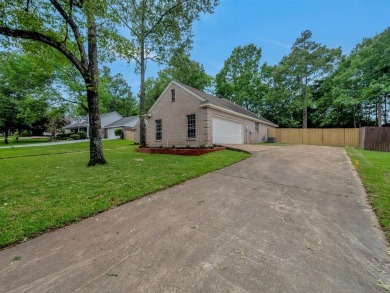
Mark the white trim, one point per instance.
(226, 118)
(166, 89)
(212, 106)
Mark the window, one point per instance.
(257, 127)
(158, 130)
(191, 126)
(173, 95)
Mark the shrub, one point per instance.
(119, 132)
(75, 136)
(26, 132)
(62, 136)
(82, 134)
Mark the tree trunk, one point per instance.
(385, 116)
(304, 99)
(6, 135)
(142, 98)
(95, 146)
(379, 111)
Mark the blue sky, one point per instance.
(274, 25)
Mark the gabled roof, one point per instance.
(110, 113)
(84, 120)
(222, 104)
(78, 118)
(76, 125)
(125, 121)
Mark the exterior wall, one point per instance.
(173, 117)
(249, 133)
(129, 135)
(136, 134)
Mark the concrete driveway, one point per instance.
(288, 219)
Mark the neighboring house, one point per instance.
(78, 123)
(127, 124)
(184, 116)
(109, 122)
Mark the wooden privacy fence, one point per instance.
(375, 138)
(317, 136)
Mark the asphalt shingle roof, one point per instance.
(76, 125)
(123, 121)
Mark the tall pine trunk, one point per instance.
(142, 98)
(379, 110)
(304, 101)
(304, 111)
(385, 115)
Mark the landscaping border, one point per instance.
(180, 152)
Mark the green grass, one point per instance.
(10, 152)
(48, 187)
(374, 170)
(23, 140)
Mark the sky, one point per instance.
(274, 25)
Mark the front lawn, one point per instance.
(374, 170)
(23, 140)
(48, 187)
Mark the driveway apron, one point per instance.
(288, 219)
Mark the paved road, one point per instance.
(288, 219)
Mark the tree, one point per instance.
(119, 132)
(292, 86)
(239, 79)
(155, 29)
(372, 61)
(180, 68)
(23, 101)
(116, 94)
(307, 62)
(69, 27)
(56, 120)
(356, 92)
(280, 105)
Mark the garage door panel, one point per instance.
(111, 133)
(226, 131)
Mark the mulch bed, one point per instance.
(180, 152)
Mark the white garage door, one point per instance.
(226, 131)
(111, 133)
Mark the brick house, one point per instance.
(184, 116)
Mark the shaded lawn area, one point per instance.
(374, 170)
(10, 152)
(42, 192)
(23, 140)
